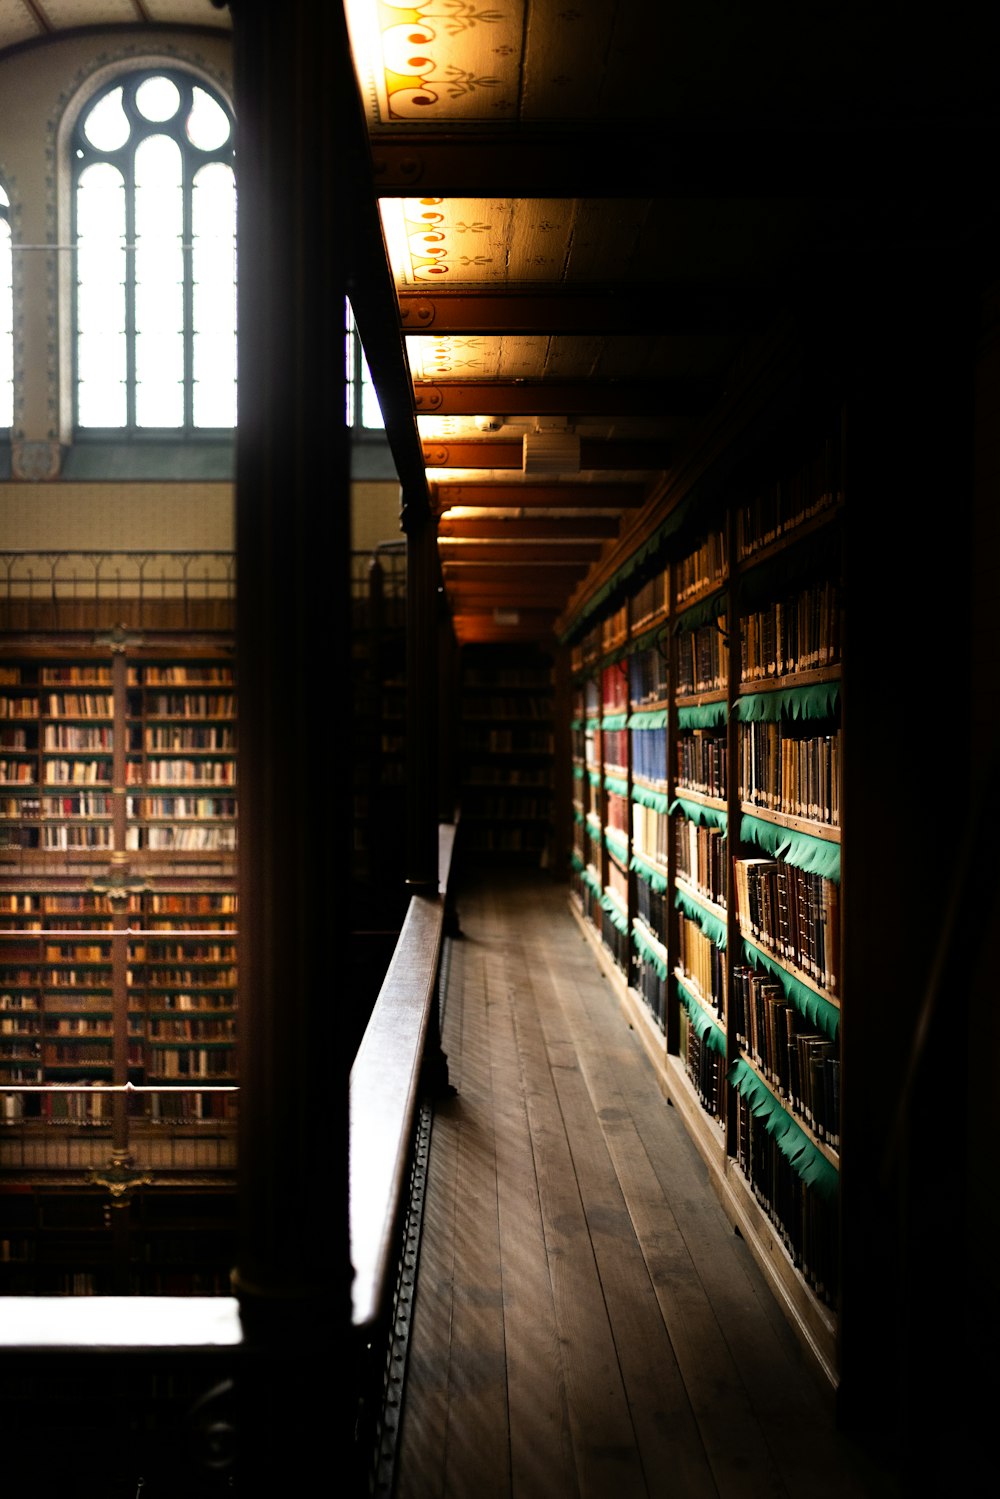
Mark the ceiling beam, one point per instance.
(486, 595)
(522, 528)
(507, 553)
(560, 574)
(506, 496)
(502, 453)
(561, 397)
(631, 160)
(653, 309)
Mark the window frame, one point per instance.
(81, 153)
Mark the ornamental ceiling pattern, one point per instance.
(449, 62)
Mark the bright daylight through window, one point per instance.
(155, 232)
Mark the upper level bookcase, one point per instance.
(707, 755)
(118, 955)
(507, 744)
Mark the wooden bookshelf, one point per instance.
(118, 964)
(733, 656)
(507, 744)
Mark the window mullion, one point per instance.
(128, 167)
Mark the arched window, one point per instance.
(6, 315)
(154, 205)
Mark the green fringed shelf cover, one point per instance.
(647, 550)
(807, 1160)
(819, 701)
(608, 904)
(703, 715)
(612, 783)
(707, 1029)
(647, 797)
(650, 876)
(700, 613)
(617, 843)
(615, 721)
(706, 817)
(817, 1010)
(645, 949)
(654, 719)
(814, 855)
(714, 929)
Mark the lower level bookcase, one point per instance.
(814, 1322)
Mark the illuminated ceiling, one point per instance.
(590, 209)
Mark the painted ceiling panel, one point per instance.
(17, 23)
(568, 53)
(427, 64)
(62, 14)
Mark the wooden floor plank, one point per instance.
(586, 1320)
(607, 1461)
(540, 1434)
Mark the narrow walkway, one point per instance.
(586, 1321)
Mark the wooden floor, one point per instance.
(586, 1321)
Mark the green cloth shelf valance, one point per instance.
(817, 1010)
(576, 724)
(818, 700)
(612, 783)
(589, 878)
(705, 817)
(578, 772)
(703, 715)
(594, 777)
(617, 919)
(652, 877)
(714, 929)
(615, 721)
(644, 553)
(593, 723)
(807, 1159)
(701, 613)
(577, 815)
(657, 719)
(645, 948)
(648, 638)
(617, 844)
(814, 855)
(646, 797)
(705, 1027)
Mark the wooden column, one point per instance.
(421, 700)
(297, 145)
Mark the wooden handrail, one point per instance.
(385, 1093)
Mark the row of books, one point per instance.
(702, 964)
(801, 1064)
(806, 1222)
(702, 858)
(797, 775)
(793, 914)
(798, 633)
(701, 661)
(705, 1066)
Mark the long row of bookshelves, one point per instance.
(118, 965)
(173, 727)
(705, 869)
